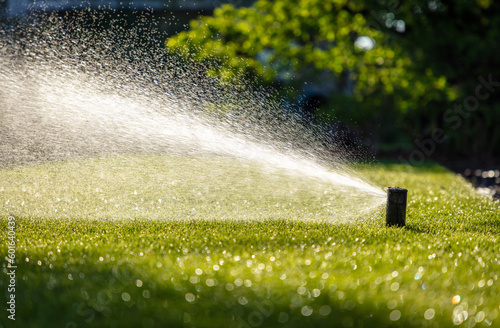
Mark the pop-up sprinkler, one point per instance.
(396, 207)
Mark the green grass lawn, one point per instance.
(187, 242)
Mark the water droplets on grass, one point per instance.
(395, 315)
(429, 314)
(306, 311)
(126, 297)
(190, 297)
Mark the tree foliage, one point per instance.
(290, 40)
(424, 55)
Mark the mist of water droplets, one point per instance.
(71, 89)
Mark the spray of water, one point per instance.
(70, 92)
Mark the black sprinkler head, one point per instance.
(396, 207)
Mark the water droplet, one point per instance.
(306, 311)
(480, 316)
(301, 290)
(395, 315)
(429, 314)
(325, 310)
(190, 297)
(242, 300)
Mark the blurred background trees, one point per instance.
(393, 72)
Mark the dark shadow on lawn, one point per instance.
(123, 296)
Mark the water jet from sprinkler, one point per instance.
(396, 207)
